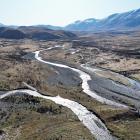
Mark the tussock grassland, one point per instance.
(30, 118)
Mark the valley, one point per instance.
(113, 76)
(70, 70)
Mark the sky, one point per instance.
(60, 12)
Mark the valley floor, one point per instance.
(27, 117)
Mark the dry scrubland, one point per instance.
(33, 118)
(26, 117)
(115, 51)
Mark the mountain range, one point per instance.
(127, 20)
(119, 21)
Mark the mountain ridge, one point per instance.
(118, 21)
(124, 20)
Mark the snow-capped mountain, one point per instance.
(119, 21)
(82, 25)
(125, 20)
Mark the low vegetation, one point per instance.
(26, 117)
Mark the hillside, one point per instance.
(32, 32)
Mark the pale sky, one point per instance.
(60, 12)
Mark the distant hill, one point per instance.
(127, 20)
(50, 27)
(32, 32)
(10, 33)
(1, 25)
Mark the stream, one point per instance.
(85, 78)
(93, 123)
(90, 120)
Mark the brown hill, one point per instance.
(32, 32)
(44, 33)
(11, 33)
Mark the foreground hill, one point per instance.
(32, 32)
